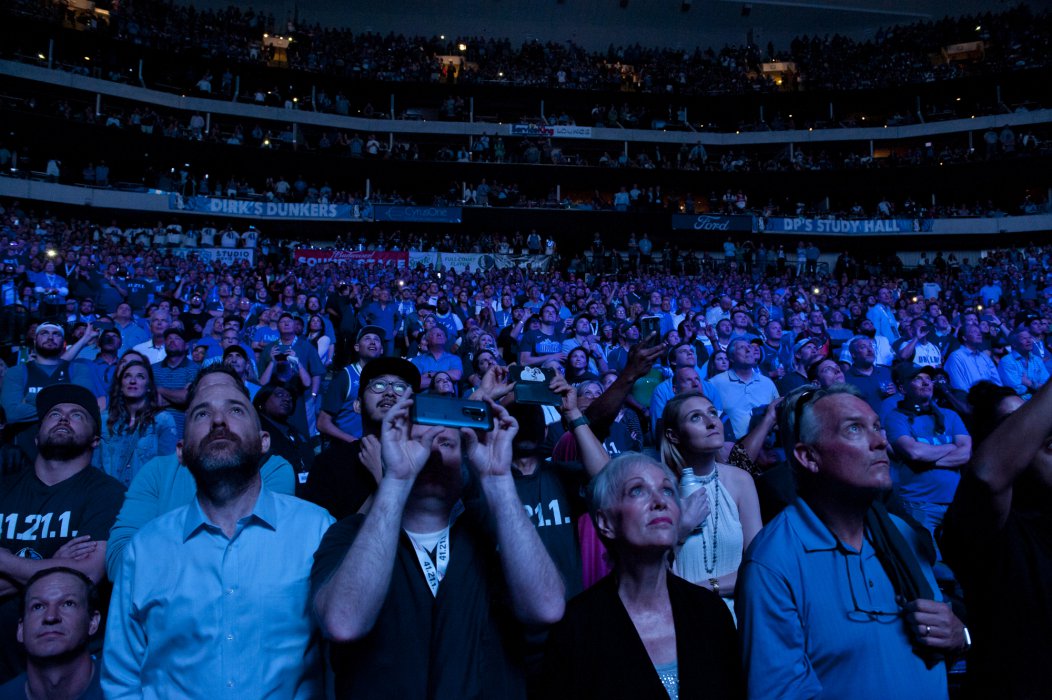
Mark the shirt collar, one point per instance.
(263, 513)
(733, 377)
(813, 533)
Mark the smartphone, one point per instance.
(432, 409)
(650, 325)
(103, 325)
(531, 386)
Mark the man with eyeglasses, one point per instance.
(431, 593)
(346, 474)
(834, 598)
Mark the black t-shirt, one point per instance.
(465, 643)
(338, 481)
(194, 322)
(541, 343)
(553, 501)
(1006, 575)
(37, 519)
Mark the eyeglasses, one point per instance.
(854, 600)
(379, 386)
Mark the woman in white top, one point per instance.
(693, 437)
(316, 336)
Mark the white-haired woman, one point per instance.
(641, 632)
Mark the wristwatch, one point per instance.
(578, 422)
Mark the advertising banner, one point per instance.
(433, 215)
(476, 262)
(312, 256)
(270, 210)
(227, 256)
(711, 222)
(565, 132)
(777, 224)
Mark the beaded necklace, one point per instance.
(714, 479)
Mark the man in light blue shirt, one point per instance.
(883, 316)
(743, 387)
(212, 598)
(968, 365)
(1022, 369)
(683, 355)
(817, 607)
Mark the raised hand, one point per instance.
(568, 393)
(489, 454)
(494, 385)
(371, 457)
(642, 358)
(402, 455)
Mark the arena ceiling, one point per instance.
(600, 23)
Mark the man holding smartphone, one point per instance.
(377, 577)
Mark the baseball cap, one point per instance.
(906, 372)
(235, 350)
(801, 343)
(370, 329)
(390, 365)
(51, 396)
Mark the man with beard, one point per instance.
(61, 612)
(227, 613)
(346, 474)
(338, 420)
(430, 595)
(57, 513)
(449, 321)
(23, 382)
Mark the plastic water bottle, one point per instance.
(688, 482)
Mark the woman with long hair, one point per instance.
(577, 366)
(135, 428)
(718, 363)
(692, 439)
(488, 321)
(317, 337)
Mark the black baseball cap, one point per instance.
(51, 396)
(235, 350)
(389, 365)
(905, 372)
(371, 329)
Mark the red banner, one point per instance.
(311, 256)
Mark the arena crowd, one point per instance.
(784, 478)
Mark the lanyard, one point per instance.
(435, 571)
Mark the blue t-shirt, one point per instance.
(929, 485)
